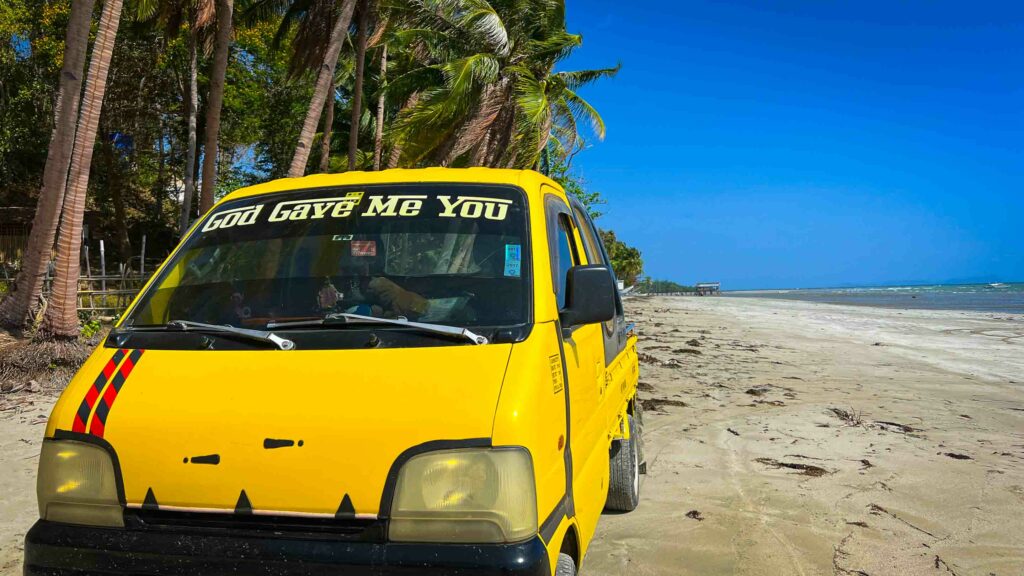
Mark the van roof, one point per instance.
(526, 179)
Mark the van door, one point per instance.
(618, 372)
(583, 355)
(614, 329)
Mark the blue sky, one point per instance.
(772, 144)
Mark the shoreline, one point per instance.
(981, 298)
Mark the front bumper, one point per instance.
(53, 549)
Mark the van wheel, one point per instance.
(565, 567)
(624, 478)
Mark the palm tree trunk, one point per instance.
(396, 147)
(357, 91)
(62, 313)
(378, 137)
(222, 46)
(324, 84)
(325, 141)
(15, 310)
(472, 133)
(190, 150)
(501, 136)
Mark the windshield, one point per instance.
(446, 254)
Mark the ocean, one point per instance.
(995, 297)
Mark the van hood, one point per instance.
(301, 432)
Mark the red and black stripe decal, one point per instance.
(85, 409)
(106, 402)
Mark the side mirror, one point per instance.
(590, 292)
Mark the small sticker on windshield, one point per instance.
(513, 260)
(364, 248)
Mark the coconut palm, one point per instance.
(309, 47)
(551, 111)
(15, 310)
(324, 86)
(378, 133)
(214, 101)
(490, 95)
(357, 91)
(61, 318)
(171, 15)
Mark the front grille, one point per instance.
(256, 525)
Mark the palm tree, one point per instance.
(192, 104)
(357, 91)
(61, 319)
(551, 111)
(378, 134)
(490, 95)
(170, 15)
(214, 101)
(15, 310)
(201, 14)
(324, 86)
(395, 156)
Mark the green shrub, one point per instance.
(90, 328)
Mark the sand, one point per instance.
(782, 438)
(822, 439)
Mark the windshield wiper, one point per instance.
(189, 326)
(342, 318)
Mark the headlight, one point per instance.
(77, 485)
(477, 495)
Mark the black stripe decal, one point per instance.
(207, 459)
(271, 443)
(552, 522)
(570, 505)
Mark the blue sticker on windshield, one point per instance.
(513, 259)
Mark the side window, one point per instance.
(566, 257)
(591, 244)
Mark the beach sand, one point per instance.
(782, 438)
(794, 438)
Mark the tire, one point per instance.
(565, 567)
(624, 477)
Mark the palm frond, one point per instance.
(476, 17)
(579, 78)
(460, 76)
(582, 109)
(254, 11)
(532, 99)
(555, 46)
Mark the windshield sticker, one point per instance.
(316, 209)
(469, 207)
(513, 260)
(395, 205)
(364, 248)
(233, 217)
(474, 207)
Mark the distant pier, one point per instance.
(708, 288)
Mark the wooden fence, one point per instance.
(100, 292)
(100, 295)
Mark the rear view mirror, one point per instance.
(590, 296)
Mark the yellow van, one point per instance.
(401, 372)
